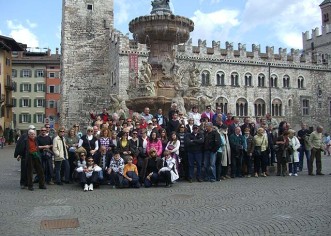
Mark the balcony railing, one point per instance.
(2, 98)
(10, 85)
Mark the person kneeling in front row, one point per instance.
(168, 172)
(88, 175)
(130, 174)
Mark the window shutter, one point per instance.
(34, 118)
(29, 102)
(29, 87)
(44, 102)
(20, 102)
(44, 87)
(35, 102)
(35, 87)
(14, 102)
(35, 73)
(21, 87)
(47, 104)
(21, 75)
(20, 118)
(30, 73)
(29, 118)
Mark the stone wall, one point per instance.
(86, 66)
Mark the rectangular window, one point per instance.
(53, 89)
(51, 75)
(25, 102)
(39, 102)
(51, 104)
(26, 73)
(39, 88)
(14, 73)
(39, 118)
(40, 73)
(89, 7)
(305, 107)
(25, 87)
(7, 61)
(25, 118)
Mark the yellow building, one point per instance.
(7, 46)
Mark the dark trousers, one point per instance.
(153, 180)
(184, 165)
(248, 162)
(302, 153)
(281, 165)
(116, 179)
(197, 158)
(165, 176)
(260, 162)
(23, 179)
(72, 159)
(84, 180)
(35, 163)
(272, 156)
(47, 164)
(134, 183)
(236, 165)
(59, 165)
(315, 154)
(293, 167)
(218, 164)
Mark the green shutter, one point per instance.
(35, 87)
(29, 118)
(21, 87)
(29, 102)
(44, 86)
(20, 118)
(34, 118)
(29, 87)
(30, 73)
(44, 102)
(21, 102)
(35, 103)
(21, 75)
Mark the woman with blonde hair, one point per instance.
(260, 153)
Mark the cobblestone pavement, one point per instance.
(255, 206)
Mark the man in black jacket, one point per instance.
(211, 144)
(194, 145)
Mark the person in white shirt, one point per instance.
(88, 174)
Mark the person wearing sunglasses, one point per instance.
(89, 142)
(88, 174)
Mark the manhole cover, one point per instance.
(59, 224)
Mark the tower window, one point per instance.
(89, 7)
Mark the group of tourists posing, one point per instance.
(149, 150)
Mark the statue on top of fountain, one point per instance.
(161, 7)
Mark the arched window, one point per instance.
(241, 107)
(286, 81)
(259, 107)
(274, 81)
(300, 82)
(248, 80)
(261, 80)
(290, 103)
(223, 103)
(276, 107)
(205, 75)
(234, 79)
(220, 78)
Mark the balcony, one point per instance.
(9, 102)
(10, 85)
(2, 98)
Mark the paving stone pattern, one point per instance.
(256, 206)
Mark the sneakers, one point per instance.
(256, 175)
(295, 174)
(85, 187)
(90, 187)
(290, 174)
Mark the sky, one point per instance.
(277, 23)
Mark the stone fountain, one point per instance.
(159, 82)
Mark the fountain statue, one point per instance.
(160, 79)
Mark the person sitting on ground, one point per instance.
(88, 174)
(149, 172)
(168, 173)
(130, 174)
(102, 159)
(115, 170)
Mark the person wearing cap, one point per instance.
(238, 145)
(150, 128)
(194, 145)
(208, 113)
(20, 156)
(211, 145)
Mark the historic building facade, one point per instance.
(291, 85)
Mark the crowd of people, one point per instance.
(161, 149)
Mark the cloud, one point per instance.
(22, 34)
(31, 24)
(215, 25)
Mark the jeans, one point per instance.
(248, 163)
(293, 167)
(209, 165)
(58, 165)
(197, 158)
(303, 152)
(236, 165)
(47, 164)
(315, 154)
(219, 157)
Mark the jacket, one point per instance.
(59, 152)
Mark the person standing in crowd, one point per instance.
(248, 152)
(173, 124)
(89, 142)
(226, 154)
(219, 156)
(146, 115)
(182, 152)
(194, 145)
(303, 135)
(260, 153)
(161, 119)
(195, 115)
(282, 153)
(72, 142)
(208, 113)
(173, 109)
(218, 113)
(45, 143)
(211, 145)
(155, 143)
(30, 153)
(61, 157)
(294, 156)
(20, 156)
(238, 145)
(317, 145)
(104, 115)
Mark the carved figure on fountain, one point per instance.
(161, 7)
(145, 72)
(194, 80)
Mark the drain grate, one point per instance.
(59, 224)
